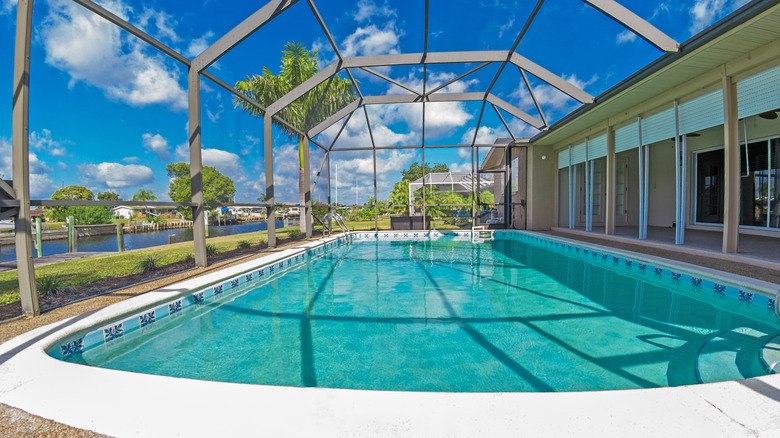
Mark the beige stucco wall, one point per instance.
(541, 188)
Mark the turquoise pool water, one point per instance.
(449, 315)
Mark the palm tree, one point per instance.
(298, 65)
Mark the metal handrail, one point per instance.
(339, 221)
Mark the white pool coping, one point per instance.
(123, 404)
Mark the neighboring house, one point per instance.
(122, 212)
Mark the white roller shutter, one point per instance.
(597, 147)
(578, 154)
(701, 113)
(759, 93)
(563, 159)
(627, 137)
(658, 127)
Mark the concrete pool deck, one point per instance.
(128, 404)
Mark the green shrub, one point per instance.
(293, 234)
(243, 244)
(148, 264)
(189, 258)
(211, 250)
(51, 285)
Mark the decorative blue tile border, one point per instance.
(148, 318)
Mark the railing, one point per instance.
(480, 234)
(339, 221)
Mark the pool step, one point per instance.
(770, 355)
(731, 355)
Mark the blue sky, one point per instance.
(109, 112)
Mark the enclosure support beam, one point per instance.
(571, 193)
(732, 167)
(196, 170)
(609, 224)
(679, 218)
(588, 188)
(240, 33)
(305, 218)
(21, 168)
(269, 179)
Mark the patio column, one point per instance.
(679, 216)
(731, 161)
(20, 157)
(269, 179)
(588, 188)
(196, 170)
(609, 225)
(305, 208)
(572, 204)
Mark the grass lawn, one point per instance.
(88, 270)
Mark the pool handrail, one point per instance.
(339, 221)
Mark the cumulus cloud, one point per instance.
(227, 163)
(158, 24)
(550, 98)
(198, 45)
(372, 40)
(93, 51)
(7, 6)
(41, 184)
(157, 144)
(625, 37)
(367, 10)
(42, 141)
(115, 175)
(705, 12)
(130, 160)
(485, 135)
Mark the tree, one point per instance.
(88, 215)
(216, 186)
(69, 193)
(108, 196)
(298, 65)
(145, 195)
(416, 171)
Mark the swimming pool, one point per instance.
(437, 312)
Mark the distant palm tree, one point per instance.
(144, 195)
(298, 65)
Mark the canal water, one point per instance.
(107, 243)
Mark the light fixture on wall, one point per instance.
(544, 157)
(769, 115)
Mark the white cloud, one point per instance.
(368, 9)
(485, 135)
(550, 98)
(8, 6)
(214, 116)
(198, 45)
(625, 37)
(371, 40)
(157, 144)
(42, 141)
(460, 167)
(130, 160)
(162, 24)
(93, 51)
(506, 26)
(227, 163)
(115, 175)
(63, 165)
(41, 184)
(705, 12)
